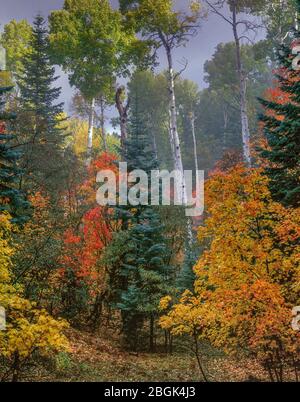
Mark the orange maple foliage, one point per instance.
(2, 127)
(248, 279)
(83, 246)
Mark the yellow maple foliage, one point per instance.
(28, 329)
(247, 279)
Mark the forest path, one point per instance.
(94, 358)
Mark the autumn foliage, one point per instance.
(29, 330)
(248, 278)
(99, 290)
(79, 265)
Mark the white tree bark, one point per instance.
(296, 21)
(243, 91)
(90, 132)
(171, 139)
(245, 121)
(177, 156)
(195, 145)
(225, 119)
(154, 146)
(102, 122)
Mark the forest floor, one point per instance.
(93, 359)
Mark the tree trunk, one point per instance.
(16, 367)
(123, 114)
(90, 132)
(171, 140)
(177, 156)
(195, 145)
(102, 122)
(170, 343)
(295, 369)
(225, 115)
(198, 358)
(243, 89)
(154, 144)
(151, 335)
(296, 21)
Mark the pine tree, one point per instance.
(282, 130)
(144, 271)
(186, 277)
(11, 198)
(145, 275)
(41, 134)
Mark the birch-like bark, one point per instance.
(225, 117)
(102, 122)
(195, 145)
(90, 132)
(171, 139)
(296, 21)
(154, 144)
(243, 90)
(174, 130)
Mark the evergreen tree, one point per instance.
(282, 130)
(143, 273)
(186, 277)
(41, 134)
(11, 198)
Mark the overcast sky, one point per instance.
(213, 31)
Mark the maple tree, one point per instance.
(29, 330)
(38, 247)
(247, 280)
(82, 275)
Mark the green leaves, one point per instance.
(16, 41)
(159, 23)
(90, 43)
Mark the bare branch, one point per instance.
(216, 11)
(184, 62)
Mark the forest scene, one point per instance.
(96, 289)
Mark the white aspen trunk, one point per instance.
(102, 117)
(174, 131)
(245, 122)
(225, 116)
(154, 146)
(171, 140)
(243, 91)
(195, 145)
(90, 132)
